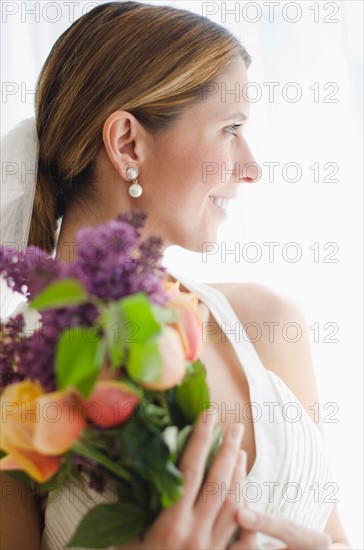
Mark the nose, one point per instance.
(248, 170)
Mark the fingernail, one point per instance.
(247, 515)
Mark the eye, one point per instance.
(231, 129)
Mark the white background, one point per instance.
(308, 131)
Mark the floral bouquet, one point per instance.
(107, 385)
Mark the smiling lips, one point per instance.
(221, 202)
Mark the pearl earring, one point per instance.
(135, 190)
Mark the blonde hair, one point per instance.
(152, 61)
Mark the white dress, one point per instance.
(291, 476)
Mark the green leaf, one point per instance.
(138, 309)
(140, 493)
(192, 394)
(87, 451)
(174, 492)
(144, 362)
(148, 455)
(131, 332)
(155, 417)
(68, 292)
(116, 331)
(177, 415)
(165, 315)
(108, 525)
(79, 360)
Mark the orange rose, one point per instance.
(190, 325)
(23, 422)
(37, 427)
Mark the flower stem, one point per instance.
(164, 403)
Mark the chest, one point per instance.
(229, 389)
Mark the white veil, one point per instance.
(19, 163)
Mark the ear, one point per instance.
(119, 137)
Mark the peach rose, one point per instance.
(173, 360)
(113, 403)
(190, 325)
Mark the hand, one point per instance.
(201, 518)
(292, 534)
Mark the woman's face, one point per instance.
(199, 158)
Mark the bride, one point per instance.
(134, 109)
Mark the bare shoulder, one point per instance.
(276, 325)
(255, 302)
(284, 348)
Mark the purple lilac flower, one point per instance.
(54, 321)
(34, 354)
(96, 480)
(13, 267)
(28, 271)
(25, 356)
(112, 264)
(35, 359)
(103, 262)
(44, 272)
(9, 343)
(7, 374)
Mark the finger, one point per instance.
(220, 475)
(273, 546)
(294, 535)
(225, 523)
(192, 462)
(246, 541)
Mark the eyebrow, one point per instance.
(241, 116)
